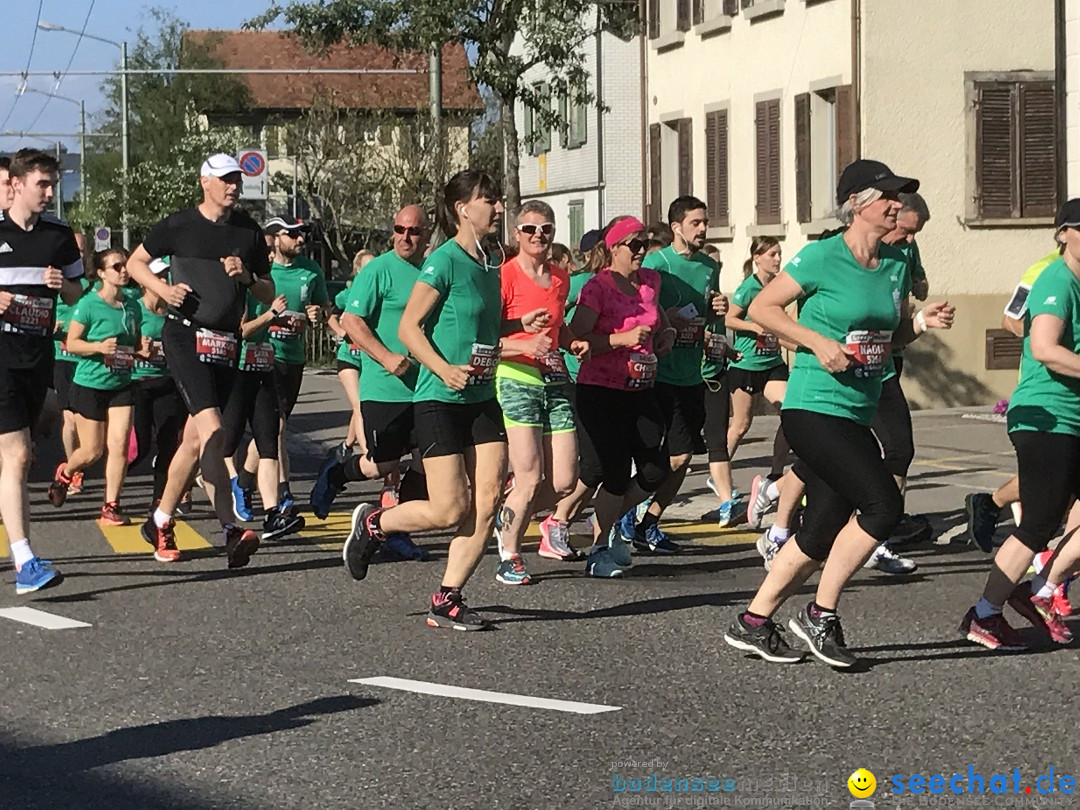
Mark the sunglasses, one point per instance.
(414, 231)
(117, 266)
(636, 245)
(531, 229)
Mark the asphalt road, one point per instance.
(197, 687)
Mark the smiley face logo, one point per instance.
(862, 784)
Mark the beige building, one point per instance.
(1069, 26)
(755, 106)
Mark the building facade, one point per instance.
(1069, 20)
(756, 105)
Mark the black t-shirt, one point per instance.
(196, 247)
(26, 327)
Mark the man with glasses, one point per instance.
(377, 299)
(218, 254)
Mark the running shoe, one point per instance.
(620, 549)
(993, 632)
(112, 516)
(1040, 612)
(323, 492)
(162, 539)
(765, 641)
(286, 502)
(512, 572)
(768, 549)
(759, 502)
(279, 524)
(735, 494)
(555, 541)
(725, 513)
(241, 499)
(398, 546)
(362, 542)
(240, 544)
(34, 575)
(888, 562)
(982, 519)
(627, 525)
(58, 489)
(341, 453)
(825, 636)
(601, 564)
(186, 507)
(450, 611)
(655, 541)
(77, 482)
(388, 497)
(1062, 605)
(911, 531)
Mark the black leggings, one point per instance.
(844, 473)
(253, 401)
(892, 426)
(717, 417)
(781, 451)
(1049, 469)
(625, 427)
(158, 422)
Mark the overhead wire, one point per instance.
(29, 59)
(61, 76)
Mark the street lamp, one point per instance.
(47, 26)
(82, 134)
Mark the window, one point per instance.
(682, 15)
(575, 122)
(731, 7)
(655, 174)
(537, 129)
(1015, 121)
(698, 14)
(767, 149)
(576, 212)
(654, 19)
(716, 168)
(670, 144)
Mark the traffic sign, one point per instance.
(256, 178)
(102, 238)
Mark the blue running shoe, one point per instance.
(286, 503)
(323, 492)
(735, 494)
(399, 546)
(724, 514)
(35, 575)
(619, 549)
(654, 541)
(241, 501)
(601, 564)
(627, 526)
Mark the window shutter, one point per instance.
(699, 12)
(767, 125)
(654, 173)
(747, 3)
(654, 19)
(544, 144)
(847, 128)
(761, 158)
(774, 161)
(564, 121)
(686, 156)
(803, 200)
(527, 135)
(1037, 124)
(995, 152)
(682, 15)
(731, 7)
(581, 128)
(716, 167)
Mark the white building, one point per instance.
(592, 171)
(1070, 21)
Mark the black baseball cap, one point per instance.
(1069, 215)
(589, 240)
(283, 223)
(864, 174)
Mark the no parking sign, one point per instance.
(256, 175)
(102, 238)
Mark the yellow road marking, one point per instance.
(701, 532)
(5, 551)
(327, 534)
(128, 540)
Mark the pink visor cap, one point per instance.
(622, 229)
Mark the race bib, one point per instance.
(122, 361)
(690, 334)
(766, 344)
(641, 370)
(64, 351)
(869, 350)
(355, 350)
(482, 364)
(258, 357)
(716, 348)
(28, 315)
(553, 368)
(156, 361)
(218, 348)
(288, 326)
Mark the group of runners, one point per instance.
(592, 385)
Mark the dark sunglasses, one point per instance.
(531, 229)
(636, 245)
(116, 266)
(401, 230)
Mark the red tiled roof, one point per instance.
(280, 50)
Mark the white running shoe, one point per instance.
(884, 560)
(768, 549)
(759, 503)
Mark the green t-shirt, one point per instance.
(256, 352)
(63, 315)
(346, 353)
(378, 295)
(1044, 400)
(911, 251)
(302, 283)
(464, 324)
(685, 280)
(103, 321)
(857, 307)
(759, 352)
(577, 283)
(150, 324)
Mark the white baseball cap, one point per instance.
(219, 165)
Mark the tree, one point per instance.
(552, 33)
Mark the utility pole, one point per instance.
(435, 94)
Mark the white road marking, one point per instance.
(426, 688)
(39, 618)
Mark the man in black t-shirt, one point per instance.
(38, 258)
(217, 255)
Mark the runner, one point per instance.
(1044, 426)
(618, 313)
(852, 293)
(104, 333)
(217, 252)
(38, 258)
(64, 371)
(451, 325)
(531, 384)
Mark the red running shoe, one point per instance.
(58, 489)
(993, 632)
(1040, 612)
(162, 539)
(112, 516)
(240, 544)
(76, 484)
